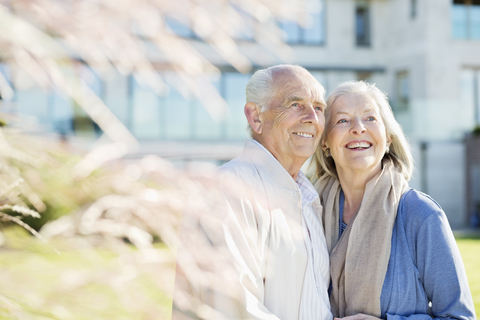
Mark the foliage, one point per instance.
(476, 131)
(39, 174)
(97, 199)
(129, 209)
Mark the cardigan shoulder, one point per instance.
(415, 207)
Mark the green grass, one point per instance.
(98, 283)
(80, 282)
(470, 251)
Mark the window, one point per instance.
(145, 111)
(413, 8)
(116, 93)
(364, 76)
(234, 93)
(183, 117)
(402, 91)
(470, 97)
(205, 126)
(177, 106)
(313, 32)
(466, 19)
(233, 18)
(179, 22)
(362, 24)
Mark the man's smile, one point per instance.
(304, 134)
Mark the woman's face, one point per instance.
(356, 135)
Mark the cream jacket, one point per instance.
(263, 230)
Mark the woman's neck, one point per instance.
(353, 186)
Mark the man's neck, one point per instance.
(291, 165)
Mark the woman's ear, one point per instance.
(389, 140)
(254, 118)
(324, 145)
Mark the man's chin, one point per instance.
(305, 152)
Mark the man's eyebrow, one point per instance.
(294, 98)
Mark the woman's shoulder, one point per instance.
(416, 206)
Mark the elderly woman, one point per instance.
(392, 252)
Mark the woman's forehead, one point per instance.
(354, 102)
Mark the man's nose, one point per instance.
(310, 114)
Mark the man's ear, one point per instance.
(252, 112)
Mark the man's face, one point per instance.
(293, 121)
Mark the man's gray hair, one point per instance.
(261, 88)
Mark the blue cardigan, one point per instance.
(425, 277)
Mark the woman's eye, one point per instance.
(371, 118)
(341, 121)
(295, 104)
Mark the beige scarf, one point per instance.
(359, 259)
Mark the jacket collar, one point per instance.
(267, 163)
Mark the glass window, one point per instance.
(116, 96)
(145, 111)
(179, 22)
(314, 30)
(362, 23)
(469, 97)
(322, 78)
(234, 94)
(291, 32)
(61, 116)
(459, 20)
(179, 28)
(176, 109)
(82, 124)
(475, 20)
(466, 19)
(242, 22)
(402, 90)
(205, 126)
(31, 100)
(6, 92)
(364, 76)
(413, 8)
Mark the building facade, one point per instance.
(425, 54)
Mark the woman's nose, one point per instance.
(358, 127)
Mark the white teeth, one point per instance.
(355, 145)
(306, 135)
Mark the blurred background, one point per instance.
(113, 111)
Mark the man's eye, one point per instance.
(341, 121)
(295, 104)
(371, 119)
(319, 109)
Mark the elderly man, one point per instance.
(273, 227)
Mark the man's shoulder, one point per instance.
(240, 167)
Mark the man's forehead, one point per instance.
(291, 81)
(314, 96)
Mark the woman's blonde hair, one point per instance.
(400, 152)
